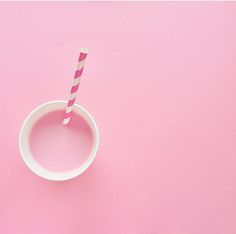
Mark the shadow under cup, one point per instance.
(55, 151)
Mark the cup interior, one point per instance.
(24, 141)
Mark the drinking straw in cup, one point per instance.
(46, 108)
(75, 86)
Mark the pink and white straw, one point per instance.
(75, 86)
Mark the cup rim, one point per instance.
(27, 156)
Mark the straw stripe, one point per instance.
(67, 115)
(66, 120)
(72, 96)
(75, 86)
(71, 102)
(78, 72)
(80, 65)
(69, 109)
(76, 81)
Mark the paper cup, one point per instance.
(24, 140)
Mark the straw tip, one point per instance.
(66, 121)
(84, 50)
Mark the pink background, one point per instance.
(160, 80)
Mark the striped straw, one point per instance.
(75, 86)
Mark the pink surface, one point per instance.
(160, 80)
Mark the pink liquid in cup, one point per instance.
(57, 147)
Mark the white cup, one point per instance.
(27, 126)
